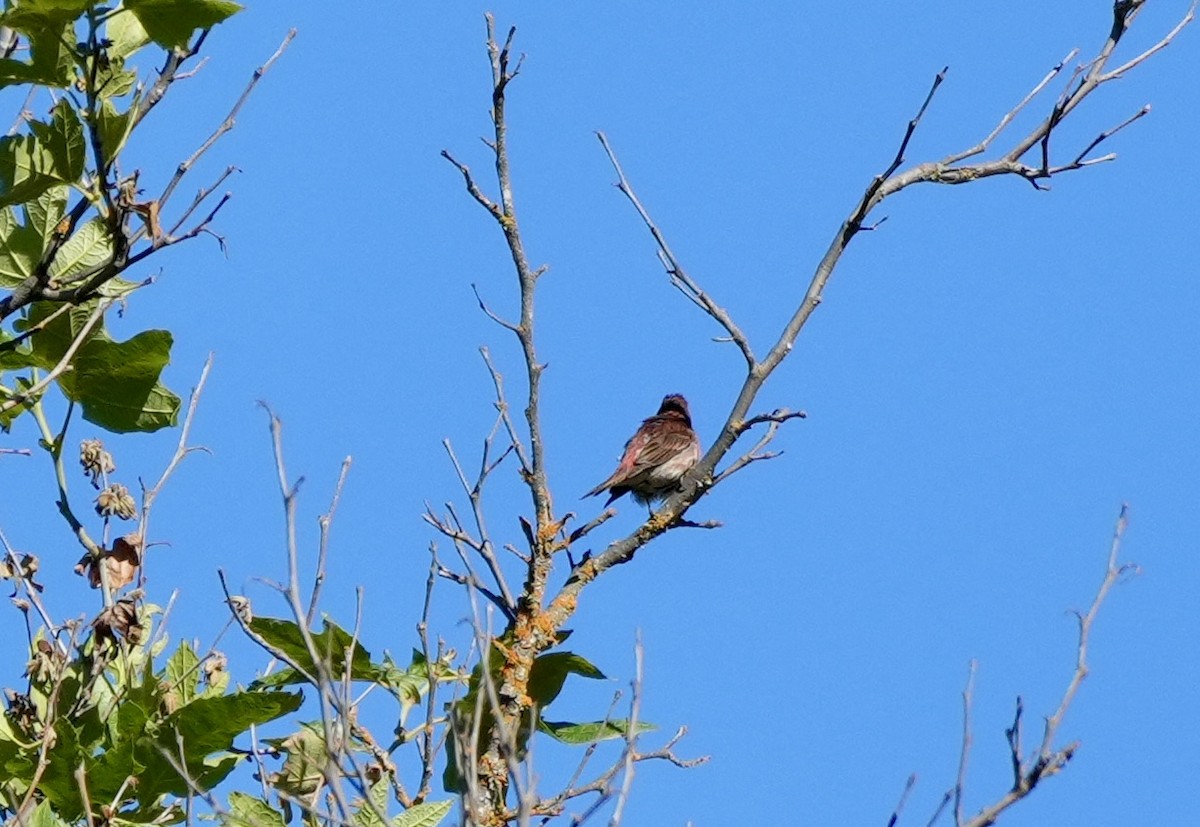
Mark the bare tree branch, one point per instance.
(538, 617)
(908, 788)
(888, 183)
(325, 523)
(227, 124)
(960, 783)
(1049, 760)
(679, 276)
(182, 449)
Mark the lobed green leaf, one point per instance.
(51, 155)
(170, 23)
(52, 61)
(125, 33)
(427, 814)
(249, 811)
(116, 383)
(332, 645)
(550, 671)
(182, 677)
(590, 733)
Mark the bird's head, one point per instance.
(675, 404)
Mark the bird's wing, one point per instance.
(668, 442)
(627, 467)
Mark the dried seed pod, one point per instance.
(28, 567)
(43, 663)
(216, 662)
(22, 712)
(121, 561)
(119, 619)
(115, 501)
(241, 607)
(95, 460)
(215, 676)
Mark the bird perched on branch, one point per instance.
(656, 457)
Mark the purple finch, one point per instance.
(656, 457)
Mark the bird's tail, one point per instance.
(599, 489)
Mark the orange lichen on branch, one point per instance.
(549, 531)
(565, 604)
(543, 624)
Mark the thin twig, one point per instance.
(883, 186)
(1013, 736)
(324, 523)
(679, 276)
(226, 124)
(64, 364)
(899, 808)
(964, 754)
(1049, 759)
(631, 733)
(182, 449)
(1113, 572)
(484, 548)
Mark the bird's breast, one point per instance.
(670, 471)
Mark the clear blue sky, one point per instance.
(992, 373)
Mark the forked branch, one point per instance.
(950, 170)
(1049, 759)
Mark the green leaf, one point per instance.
(248, 811)
(58, 782)
(452, 779)
(113, 126)
(90, 245)
(549, 672)
(170, 23)
(409, 686)
(590, 733)
(331, 645)
(14, 358)
(20, 249)
(206, 726)
(44, 816)
(182, 677)
(110, 749)
(151, 816)
(43, 214)
(16, 763)
(51, 155)
(23, 384)
(111, 80)
(21, 245)
(128, 753)
(207, 775)
(52, 59)
(365, 816)
(427, 814)
(126, 34)
(303, 770)
(63, 139)
(210, 724)
(23, 14)
(116, 383)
